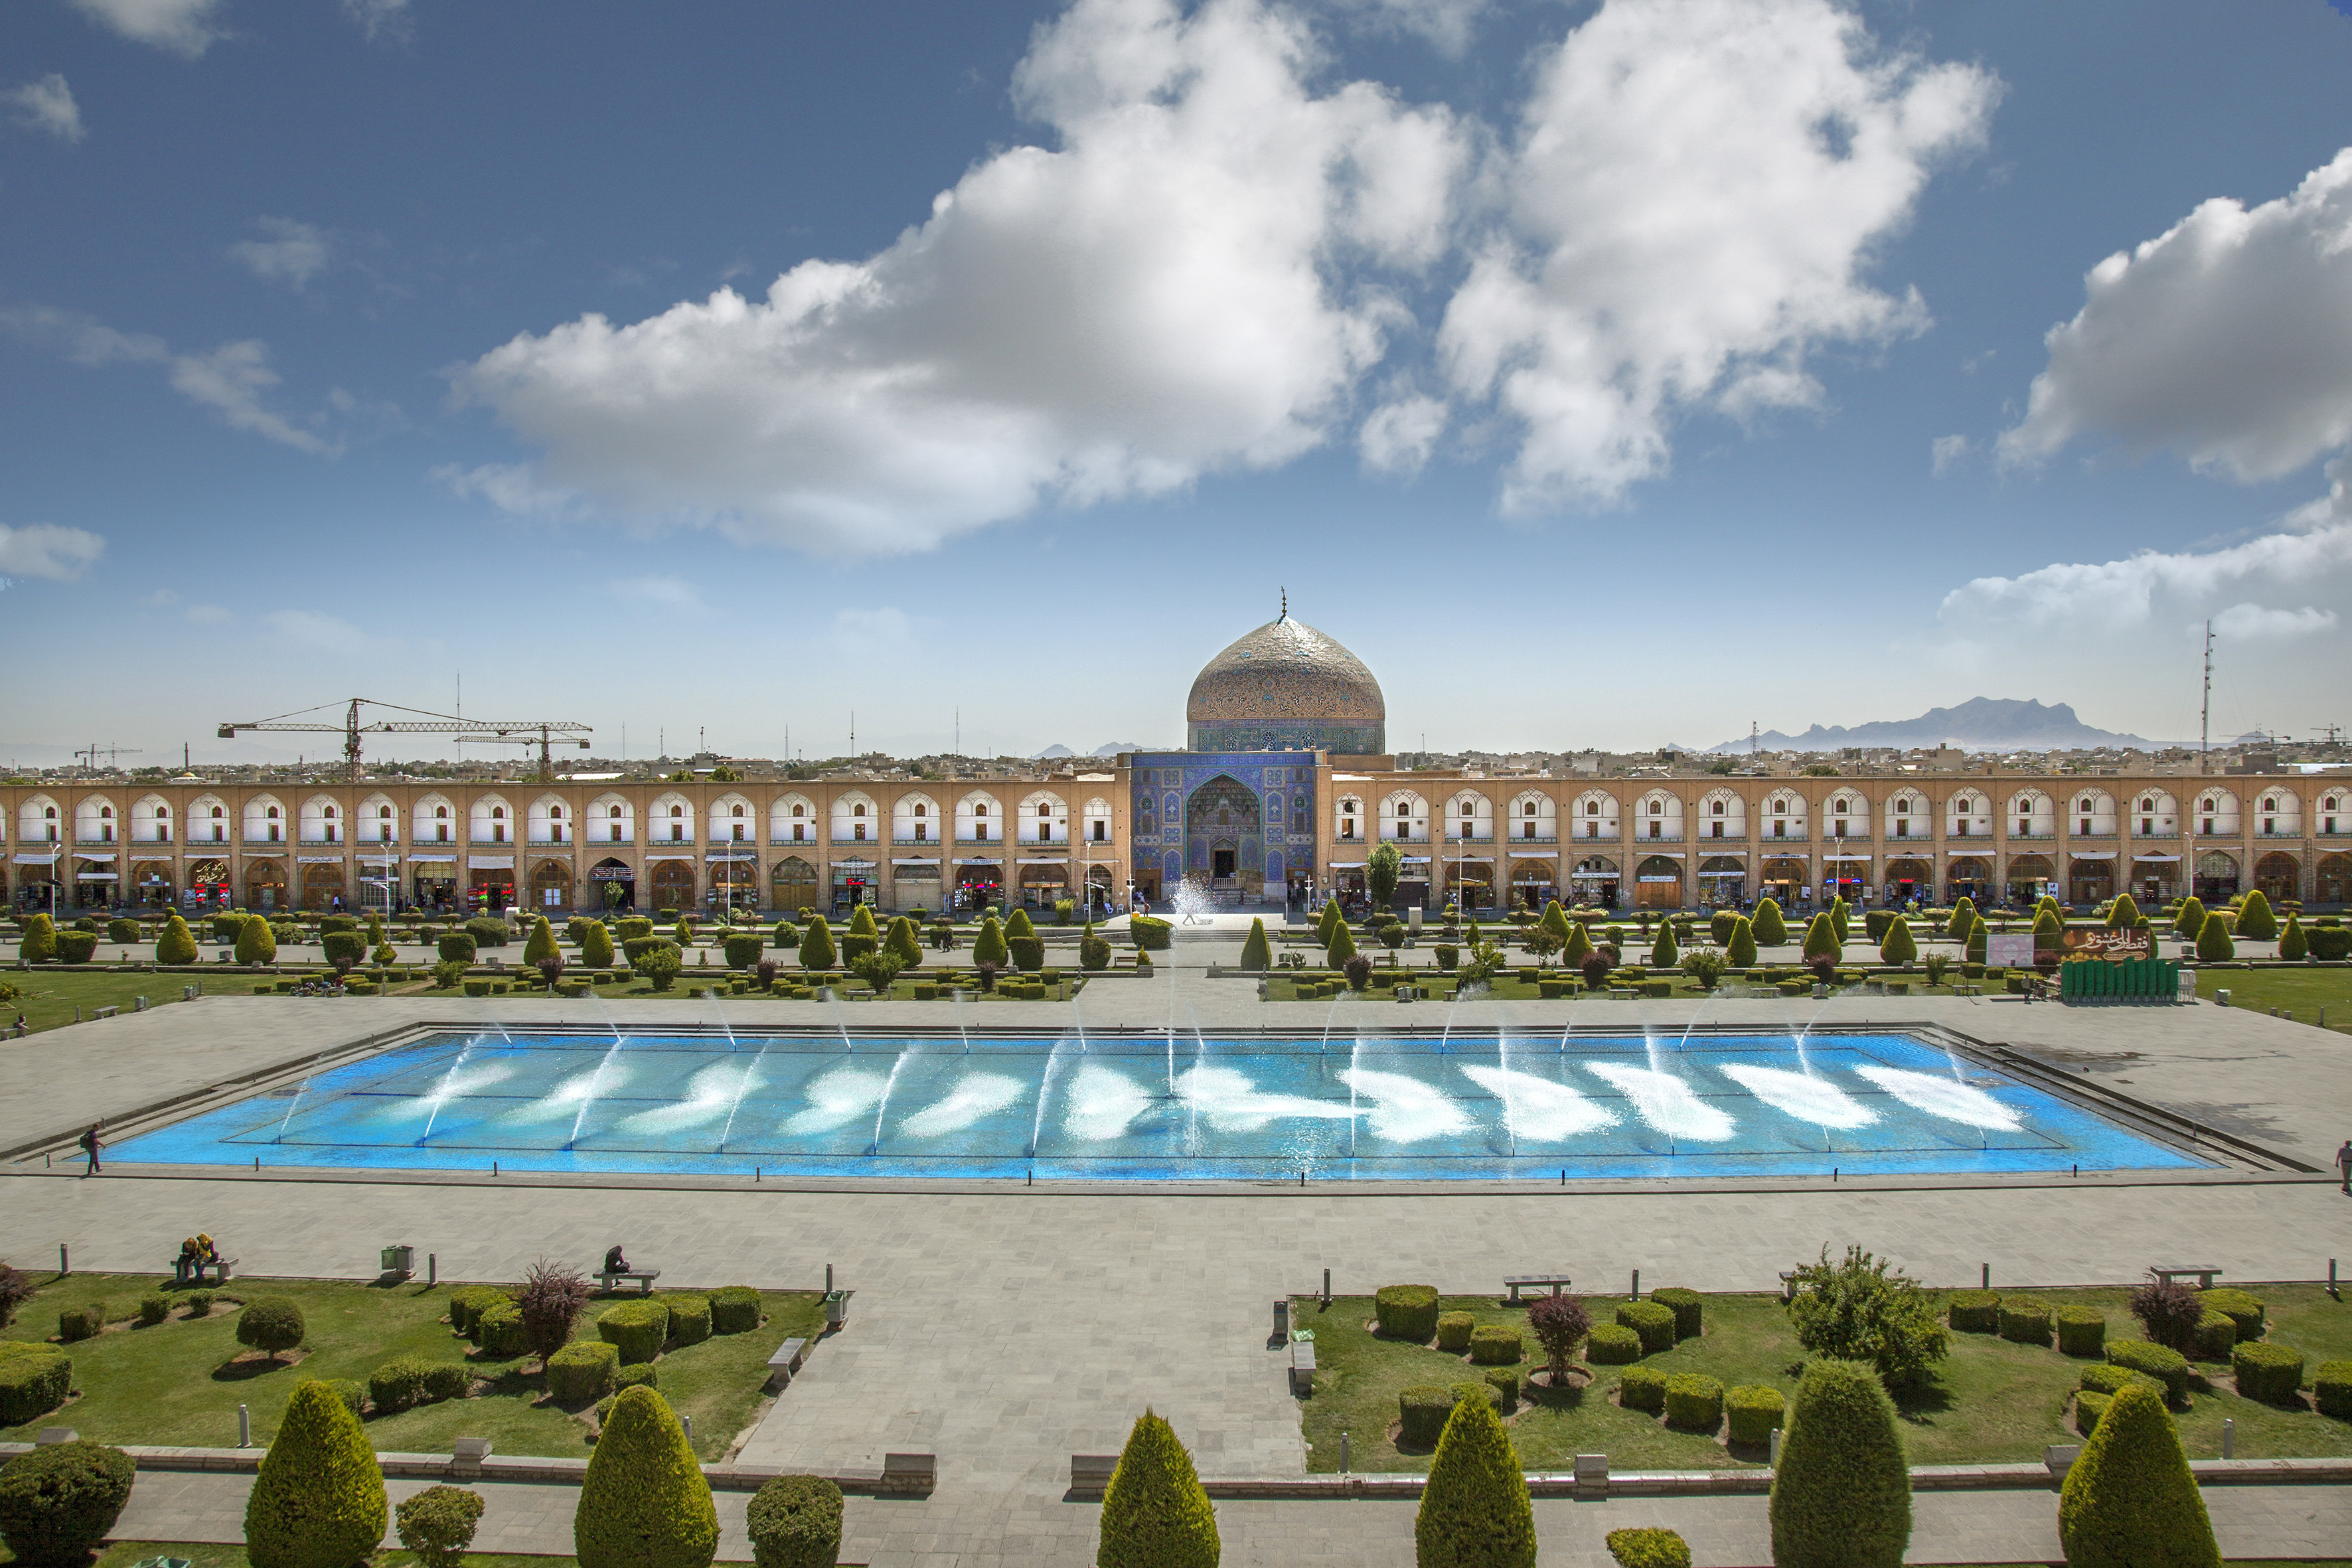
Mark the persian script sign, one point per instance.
(2099, 942)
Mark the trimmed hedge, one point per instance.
(469, 1301)
(1755, 1410)
(643, 1374)
(2243, 1309)
(1454, 1331)
(1496, 1344)
(1612, 1345)
(1688, 1308)
(1505, 1382)
(1693, 1402)
(2089, 1406)
(2129, 1501)
(582, 1371)
(2331, 1389)
(1975, 1312)
(154, 1308)
(1422, 1410)
(1654, 1323)
(1649, 1548)
(2216, 1335)
(2082, 1331)
(398, 1385)
(2025, 1321)
(794, 1521)
(2167, 1366)
(1643, 1388)
(34, 1380)
(734, 1310)
(57, 1503)
(637, 1329)
(499, 1331)
(83, 1322)
(2271, 1373)
(689, 1319)
(1407, 1312)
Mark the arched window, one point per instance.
(497, 813)
(1718, 808)
(273, 814)
(2147, 803)
(854, 811)
(554, 811)
(739, 811)
(218, 812)
(381, 811)
(439, 812)
(614, 813)
(678, 811)
(163, 813)
(797, 811)
(920, 809)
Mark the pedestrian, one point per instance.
(2343, 1155)
(90, 1146)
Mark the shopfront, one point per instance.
(672, 877)
(2280, 877)
(265, 885)
(489, 883)
(1846, 877)
(915, 884)
(1969, 877)
(615, 884)
(2031, 878)
(323, 883)
(1786, 880)
(2217, 878)
(1473, 885)
(2154, 878)
(735, 882)
(1535, 881)
(96, 881)
(433, 881)
(379, 883)
(1722, 882)
(151, 881)
(551, 885)
(1658, 883)
(794, 886)
(1044, 882)
(208, 883)
(852, 883)
(2090, 877)
(1909, 877)
(977, 883)
(36, 881)
(1595, 882)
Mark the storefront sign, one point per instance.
(2011, 950)
(2100, 943)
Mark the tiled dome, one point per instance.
(1286, 687)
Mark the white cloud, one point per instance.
(47, 105)
(2226, 339)
(183, 26)
(1152, 298)
(2248, 623)
(383, 21)
(1398, 436)
(208, 614)
(1448, 25)
(1696, 193)
(511, 487)
(162, 599)
(1948, 450)
(292, 253)
(230, 380)
(317, 631)
(47, 550)
(674, 592)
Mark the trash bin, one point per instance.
(399, 1260)
(836, 1308)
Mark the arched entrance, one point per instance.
(1473, 883)
(2332, 879)
(1099, 888)
(1595, 881)
(1534, 883)
(2030, 877)
(793, 884)
(673, 883)
(737, 883)
(2155, 878)
(1967, 877)
(208, 880)
(1222, 840)
(434, 879)
(2216, 881)
(322, 886)
(151, 883)
(551, 885)
(37, 886)
(1786, 881)
(1722, 881)
(2091, 878)
(1909, 877)
(1042, 884)
(2279, 876)
(615, 885)
(265, 884)
(979, 883)
(491, 882)
(1658, 884)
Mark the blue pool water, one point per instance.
(1164, 1109)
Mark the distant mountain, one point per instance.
(1116, 747)
(1050, 753)
(1979, 724)
(1054, 753)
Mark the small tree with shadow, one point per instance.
(271, 1323)
(1595, 970)
(1560, 1324)
(1864, 1309)
(1358, 970)
(1541, 943)
(2170, 1312)
(1383, 868)
(551, 969)
(552, 1297)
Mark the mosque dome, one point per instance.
(1286, 687)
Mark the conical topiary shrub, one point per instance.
(177, 944)
(2129, 1501)
(644, 1502)
(818, 953)
(1257, 954)
(1821, 938)
(1555, 920)
(1329, 921)
(39, 942)
(1663, 953)
(1963, 920)
(1019, 924)
(2256, 922)
(595, 946)
(902, 943)
(1474, 1510)
(1899, 947)
(861, 921)
(2294, 946)
(255, 942)
(1579, 948)
(319, 1500)
(1155, 1512)
(1343, 947)
(989, 947)
(1841, 1494)
(540, 945)
(2124, 914)
(2214, 943)
(1841, 915)
(2189, 920)
(1740, 951)
(1771, 926)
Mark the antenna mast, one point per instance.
(2205, 717)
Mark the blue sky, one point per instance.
(1603, 375)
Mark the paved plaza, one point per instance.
(1006, 1327)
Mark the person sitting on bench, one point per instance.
(613, 1262)
(197, 1254)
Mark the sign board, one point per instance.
(2099, 942)
(2010, 950)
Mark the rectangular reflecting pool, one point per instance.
(1165, 1108)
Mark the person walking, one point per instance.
(90, 1146)
(2344, 1165)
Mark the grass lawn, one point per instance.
(1990, 1401)
(50, 994)
(181, 1380)
(207, 1554)
(2302, 992)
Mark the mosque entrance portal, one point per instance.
(1224, 838)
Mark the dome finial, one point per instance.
(1286, 606)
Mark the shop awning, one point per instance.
(2156, 857)
(1593, 876)
(85, 854)
(2094, 854)
(1864, 858)
(1535, 855)
(1336, 864)
(337, 860)
(37, 859)
(1737, 871)
(96, 876)
(853, 863)
(913, 861)
(732, 855)
(1413, 859)
(1044, 860)
(1647, 854)
(379, 859)
(976, 860)
(669, 855)
(489, 862)
(433, 859)
(151, 854)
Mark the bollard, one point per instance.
(1637, 1284)
(65, 1265)
(1984, 1277)
(494, 1167)
(1343, 1453)
(1327, 1283)
(2331, 1276)
(2229, 1437)
(433, 1268)
(1776, 1448)
(256, 1163)
(688, 1422)
(244, 1428)
(828, 1279)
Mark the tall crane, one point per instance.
(509, 731)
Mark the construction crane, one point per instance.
(493, 731)
(89, 755)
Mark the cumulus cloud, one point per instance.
(183, 26)
(230, 380)
(674, 591)
(2250, 623)
(2226, 339)
(1692, 199)
(1398, 436)
(1448, 25)
(513, 487)
(1946, 450)
(289, 252)
(47, 105)
(383, 21)
(47, 550)
(1156, 296)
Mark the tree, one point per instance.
(255, 942)
(1841, 1493)
(1841, 915)
(319, 1500)
(1257, 954)
(1865, 1310)
(177, 944)
(2255, 920)
(1555, 920)
(2168, 1312)
(1018, 923)
(1663, 953)
(2294, 946)
(644, 1502)
(988, 948)
(816, 946)
(595, 946)
(1542, 941)
(553, 1296)
(272, 1324)
(2129, 1501)
(1342, 948)
(1155, 1512)
(1474, 1511)
(2123, 914)
(1328, 922)
(878, 969)
(902, 945)
(2214, 943)
(1740, 951)
(2189, 920)
(1824, 939)
(1382, 868)
(39, 943)
(1963, 922)
(794, 1521)
(541, 944)
(661, 964)
(437, 1524)
(1899, 946)
(1580, 945)
(1771, 927)
(1560, 1324)
(58, 1502)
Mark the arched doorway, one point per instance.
(1722, 881)
(737, 883)
(2331, 879)
(792, 883)
(2279, 876)
(2154, 878)
(1786, 880)
(2216, 881)
(2030, 877)
(1043, 884)
(322, 886)
(435, 880)
(1909, 877)
(2091, 878)
(151, 883)
(1474, 884)
(978, 883)
(1595, 881)
(1223, 843)
(208, 880)
(491, 882)
(265, 884)
(551, 885)
(1534, 883)
(673, 885)
(1658, 884)
(615, 885)
(1098, 889)
(1967, 877)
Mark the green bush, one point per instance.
(1028, 952)
(1865, 1309)
(1155, 1512)
(2331, 943)
(398, 1385)
(34, 1380)
(2214, 943)
(456, 948)
(1496, 1344)
(154, 1308)
(2089, 1406)
(1693, 1402)
(2082, 1331)
(1755, 1410)
(2217, 1332)
(743, 948)
(1842, 1493)
(1149, 933)
(643, 1374)
(1653, 1323)
(437, 1524)
(76, 946)
(1505, 1382)
(1406, 1312)
(2255, 920)
(637, 1329)
(272, 1324)
(2109, 1378)
(1649, 1548)
(351, 1392)
(2025, 1321)
(2167, 1366)
(2271, 1373)
(689, 1319)
(2242, 1308)
(58, 1502)
(582, 1371)
(2295, 944)
(734, 1310)
(344, 946)
(1612, 1345)
(816, 950)
(319, 1501)
(595, 945)
(1688, 1308)
(1900, 946)
(86, 1321)
(644, 1502)
(1423, 1408)
(1474, 1511)
(489, 930)
(794, 1521)
(2331, 1389)
(176, 944)
(1094, 951)
(1454, 1331)
(1642, 1388)
(470, 1302)
(500, 1331)
(1257, 953)
(2129, 1501)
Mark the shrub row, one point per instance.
(34, 1380)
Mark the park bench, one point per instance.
(1515, 1283)
(1591, 1474)
(2204, 1272)
(109, 1011)
(184, 1272)
(643, 1277)
(1302, 1367)
(786, 1361)
(1090, 1474)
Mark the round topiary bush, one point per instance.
(1643, 1388)
(1693, 1402)
(500, 1331)
(638, 1328)
(1496, 1344)
(2243, 1310)
(1688, 1308)
(86, 1321)
(58, 1502)
(2271, 1373)
(2024, 1321)
(1422, 1411)
(1649, 1548)
(734, 1310)
(794, 1521)
(2129, 1501)
(1454, 1331)
(271, 1323)
(2082, 1331)
(2216, 1335)
(1407, 1312)
(1842, 1493)
(1975, 1312)
(1612, 1345)
(689, 1319)
(1155, 1512)
(582, 1371)
(1654, 1323)
(319, 1500)
(437, 1524)
(644, 1502)
(1755, 1410)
